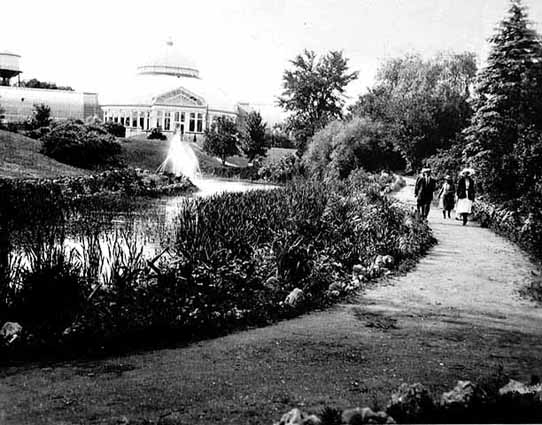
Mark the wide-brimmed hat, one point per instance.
(467, 170)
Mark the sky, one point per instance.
(242, 46)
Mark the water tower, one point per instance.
(9, 67)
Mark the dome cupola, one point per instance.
(168, 61)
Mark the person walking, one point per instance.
(423, 191)
(465, 194)
(446, 196)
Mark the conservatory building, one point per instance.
(167, 93)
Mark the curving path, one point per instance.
(457, 315)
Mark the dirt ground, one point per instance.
(457, 315)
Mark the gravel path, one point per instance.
(457, 315)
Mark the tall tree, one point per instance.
(422, 102)
(221, 138)
(253, 136)
(313, 90)
(507, 104)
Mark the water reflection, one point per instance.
(107, 237)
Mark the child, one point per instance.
(447, 196)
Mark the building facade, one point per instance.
(167, 93)
(18, 103)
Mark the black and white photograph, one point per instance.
(270, 212)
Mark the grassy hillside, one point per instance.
(149, 154)
(20, 157)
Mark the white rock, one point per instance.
(388, 260)
(297, 417)
(294, 297)
(521, 388)
(10, 331)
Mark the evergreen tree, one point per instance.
(221, 138)
(253, 136)
(507, 105)
(41, 116)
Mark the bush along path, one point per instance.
(456, 316)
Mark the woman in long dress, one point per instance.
(465, 194)
(447, 196)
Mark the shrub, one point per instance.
(233, 260)
(342, 147)
(50, 297)
(38, 134)
(114, 128)
(446, 162)
(285, 169)
(85, 146)
(521, 225)
(41, 116)
(156, 134)
(277, 139)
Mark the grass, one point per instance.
(20, 157)
(139, 152)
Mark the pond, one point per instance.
(109, 233)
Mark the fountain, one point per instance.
(181, 159)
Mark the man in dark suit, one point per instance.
(423, 191)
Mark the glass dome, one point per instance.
(168, 61)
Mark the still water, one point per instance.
(101, 239)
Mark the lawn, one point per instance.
(143, 153)
(20, 157)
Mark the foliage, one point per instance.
(276, 138)
(507, 108)
(284, 170)
(423, 103)
(37, 84)
(313, 91)
(446, 161)
(342, 147)
(50, 297)
(331, 416)
(116, 129)
(221, 138)
(41, 116)
(253, 136)
(35, 127)
(156, 134)
(232, 261)
(517, 222)
(504, 141)
(85, 146)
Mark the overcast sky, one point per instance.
(241, 45)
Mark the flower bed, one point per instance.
(237, 260)
(525, 229)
